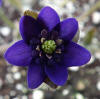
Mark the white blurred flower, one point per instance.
(5, 31)
(9, 78)
(75, 69)
(19, 86)
(96, 17)
(98, 85)
(17, 75)
(65, 92)
(38, 94)
(79, 96)
(70, 7)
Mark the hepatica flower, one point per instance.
(46, 47)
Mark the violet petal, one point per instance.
(49, 18)
(19, 54)
(57, 74)
(68, 28)
(35, 76)
(76, 55)
(29, 28)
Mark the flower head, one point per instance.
(47, 47)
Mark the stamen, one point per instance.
(58, 51)
(38, 48)
(44, 33)
(40, 54)
(59, 41)
(42, 40)
(48, 56)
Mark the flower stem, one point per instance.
(91, 10)
(5, 19)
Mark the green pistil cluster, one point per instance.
(49, 46)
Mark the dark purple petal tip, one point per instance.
(29, 28)
(48, 17)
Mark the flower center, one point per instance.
(49, 46)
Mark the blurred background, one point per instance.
(83, 82)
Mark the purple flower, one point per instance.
(47, 48)
(0, 3)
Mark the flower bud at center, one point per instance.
(49, 46)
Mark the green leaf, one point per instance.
(88, 38)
